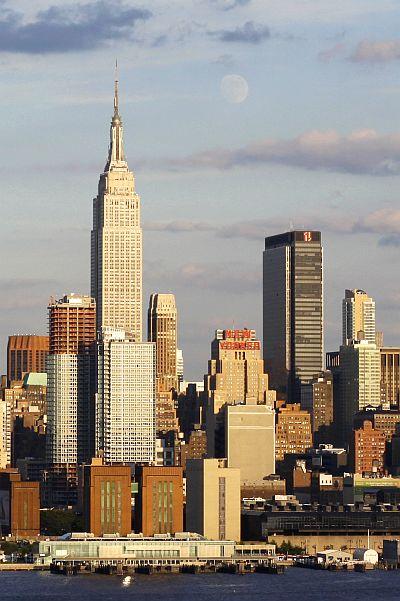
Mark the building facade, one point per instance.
(317, 399)
(359, 384)
(386, 421)
(235, 376)
(5, 433)
(390, 376)
(213, 499)
(116, 251)
(20, 505)
(358, 317)
(293, 431)
(236, 370)
(107, 498)
(369, 449)
(72, 325)
(160, 500)
(250, 441)
(125, 403)
(293, 310)
(162, 329)
(26, 354)
(70, 382)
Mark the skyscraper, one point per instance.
(358, 316)
(5, 433)
(390, 376)
(235, 376)
(359, 384)
(116, 255)
(293, 310)
(70, 391)
(72, 324)
(125, 404)
(162, 329)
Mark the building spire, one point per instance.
(116, 89)
(116, 157)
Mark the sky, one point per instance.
(308, 136)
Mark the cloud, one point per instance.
(225, 60)
(249, 33)
(390, 240)
(385, 222)
(384, 51)
(360, 152)
(229, 4)
(328, 55)
(233, 277)
(258, 229)
(69, 27)
(178, 226)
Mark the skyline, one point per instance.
(175, 118)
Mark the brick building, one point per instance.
(293, 431)
(26, 354)
(369, 449)
(160, 500)
(19, 505)
(106, 495)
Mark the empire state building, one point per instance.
(116, 245)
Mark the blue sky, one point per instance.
(316, 144)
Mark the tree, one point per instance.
(55, 522)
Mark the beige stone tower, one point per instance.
(235, 377)
(116, 261)
(162, 329)
(236, 371)
(358, 316)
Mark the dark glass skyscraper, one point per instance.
(293, 310)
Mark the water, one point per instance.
(296, 584)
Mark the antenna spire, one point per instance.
(116, 89)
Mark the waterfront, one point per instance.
(296, 584)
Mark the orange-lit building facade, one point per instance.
(162, 329)
(293, 431)
(72, 325)
(160, 500)
(70, 393)
(19, 505)
(390, 376)
(107, 498)
(26, 354)
(369, 449)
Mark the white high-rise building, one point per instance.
(359, 382)
(68, 394)
(179, 365)
(5, 433)
(116, 255)
(125, 403)
(358, 316)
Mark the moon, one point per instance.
(234, 88)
